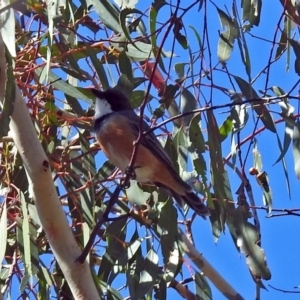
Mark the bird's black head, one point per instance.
(115, 98)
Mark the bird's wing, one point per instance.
(149, 141)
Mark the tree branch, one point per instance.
(208, 270)
(41, 186)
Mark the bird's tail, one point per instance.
(188, 197)
(194, 202)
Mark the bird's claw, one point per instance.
(130, 172)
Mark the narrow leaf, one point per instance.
(296, 148)
(227, 38)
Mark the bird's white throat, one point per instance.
(102, 108)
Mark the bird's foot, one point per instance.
(129, 174)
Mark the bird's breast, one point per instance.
(116, 141)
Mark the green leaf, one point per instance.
(242, 44)
(296, 148)
(187, 104)
(63, 86)
(148, 275)
(167, 228)
(263, 181)
(174, 264)
(126, 3)
(218, 172)
(227, 38)
(239, 116)
(258, 106)
(26, 237)
(105, 170)
(125, 65)
(98, 67)
(107, 13)
(125, 86)
(115, 236)
(9, 99)
(198, 38)
(113, 294)
(251, 13)
(122, 18)
(129, 252)
(225, 129)
(248, 241)
(154, 9)
(179, 36)
(138, 97)
(203, 291)
(285, 33)
(136, 195)
(179, 69)
(3, 233)
(296, 48)
(196, 135)
(7, 28)
(181, 142)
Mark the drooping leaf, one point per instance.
(179, 69)
(125, 65)
(182, 40)
(107, 13)
(167, 228)
(227, 38)
(258, 106)
(196, 135)
(149, 274)
(129, 252)
(122, 17)
(243, 47)
(251, 13)
(217, 171)
(174, 264)
(292, 9)
(187, 104)
(296, 48)
(247, 240)
(285, 34)
(154, 9)
(247, 237)
(7, 27)
(240, 116)
(263, 181)
(7, 104)
(126, 3)
(98, 67)
(136, 195)
(3, 233)
(181, 142)
(225, 128)
(296, 148)
(115, 236)
(63, 86)
(203, 291)
(138, 97)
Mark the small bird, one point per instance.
(116, 127)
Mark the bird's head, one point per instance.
(109, 101)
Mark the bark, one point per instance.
(42, 188)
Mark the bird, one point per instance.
(116, 127)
